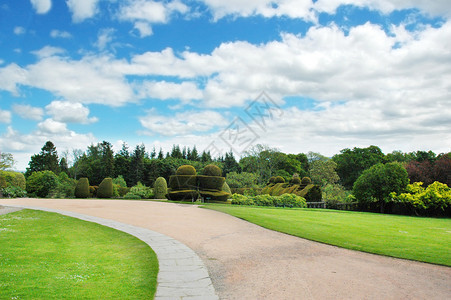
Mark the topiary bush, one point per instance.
(40, 183)
(210, 182)
(105, 189)
(306, 181)
(212, 170)
(183, 195)
(272, 180)
(182, 182)
(279, 179)
(295, 180)
(226, 188)
(160, 188)
(82, 188)
(186, 170)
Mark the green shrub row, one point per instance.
(303, 188)
(284, 200)
(12, 184)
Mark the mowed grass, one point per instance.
(415, 238)
(49, 256)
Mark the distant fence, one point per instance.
(339, 206)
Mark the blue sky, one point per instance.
(296, 75)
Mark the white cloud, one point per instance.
(5, 116)
(163, 90)
(84, 81)
(11, 77)
(28, 112)
(55, 33)
(308, 10)
(182, 123)
(267, 8)
(143, 13)
(82, 9)
(48, 51)
(19, 30)
(143, 28)
(41, 6)
(50, 126)
(23, 146)
(104, 37)
(67, 112)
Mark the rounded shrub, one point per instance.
(279, 179)
(272, 180)
(306, 181)
(186, 170)
(105, 189)
(160, 188)
(82, 188)
(212, 170)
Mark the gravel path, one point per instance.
(246, 261)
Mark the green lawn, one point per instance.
(49, 256)
(422, 239)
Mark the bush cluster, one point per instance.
(303, 188)
(284, 200)
(139, 191)
(432, 200)
(12, 184)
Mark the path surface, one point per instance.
(246, 261)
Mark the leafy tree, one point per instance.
(430, 170)
(175, 152)
(242, 180)
(40, 183)
(377, 183)
(323, 170)
(6, 161)
(47, 159)
(351, 163)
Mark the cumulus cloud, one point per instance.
(41, 6)
(5, 116)
(28, 112)
(48, 51)
(55, 33)
(163, 90)
(82, 9)
(68, 112)
(182, 123)
(143, 13)
(25, 145)
(11, 77)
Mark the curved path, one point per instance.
(246, 261)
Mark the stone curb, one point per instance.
(182, 273)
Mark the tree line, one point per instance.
(253, 169)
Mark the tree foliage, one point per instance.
(6, 161)
(47, 159)
(351, 163)
(377, 183)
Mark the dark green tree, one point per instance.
(47, 159)
(193, 155)
(230, 164)
(136, 170)
(351, 163)
(376, 183)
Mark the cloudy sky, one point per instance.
(298, 75)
